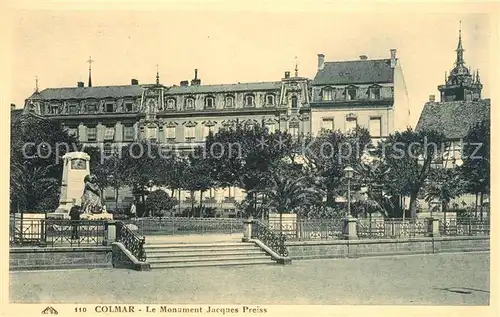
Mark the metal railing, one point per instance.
(273, 240)
(393, 228)
(309, 229)
(132, 242)
(58, 232)
(464, 226)
(179, 225)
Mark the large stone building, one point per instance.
(343, 94)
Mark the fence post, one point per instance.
(43, 238)
(111, 232)
(350, 232)
(247, 229)
(434, 227)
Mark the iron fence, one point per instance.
(309, 229)
(274, 240)
(393, 228)
(469, 226)
(57, 232)
(179, 225)
(131, 241)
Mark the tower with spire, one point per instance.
(460, 84)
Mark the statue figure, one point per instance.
(91, 199)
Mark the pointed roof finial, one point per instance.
(445, 77)
(478, 79)
(36, 83)
(460, 49)
(157, 75)
(90, 61)
(296, 68)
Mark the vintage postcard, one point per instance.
(249, 158)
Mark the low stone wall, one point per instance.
(377, 247)
(46, 258)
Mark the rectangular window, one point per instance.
(374, 93)
(209, 103)
(327, 94)
(350, 124)
(92, 108)
(207, 129)
(109, 134)
(189, 133)
(350, 94)
(128, 106)
(170, 133)
(73, 109)
(293, 129)
(91, 134)
(375, 127)
(54, 109)
(270, 127)
(328, 124)
(151, 133)
(128, 133)
(110, 107)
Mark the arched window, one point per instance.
(270, 100)
(249, 101)
(209, 102)
(171, 103)
(229, 102)
(189, 103)
(294, 102)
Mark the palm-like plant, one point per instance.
(443, 185)
(285, 193)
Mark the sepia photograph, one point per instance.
(220, 158)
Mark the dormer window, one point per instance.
(171, 103)
(249, 101)
(350, 93)
(374, 92)
(209, 102)
(128, 106)
(73, 108)
(294, 102)
(327, 94)
(270, 100)
(91, 108)
(110, 106)
(54, 108)
(229, 102)
(189, 103)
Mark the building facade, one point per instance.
(342, 95)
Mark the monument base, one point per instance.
(101, 216)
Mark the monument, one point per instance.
(79, 188)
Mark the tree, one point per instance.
(409, 155)
(476, 160)
(330, 152)
(443, 185)
(37, 147)
(159, 202)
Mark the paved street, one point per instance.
(442, 279)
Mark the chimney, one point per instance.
(287, 74)
(363, 57)
(321, 61)
(12, 106)
(432, 98)
(134, 82)
(80, 84)
(393, 57)
(195, 81)
(185, 83)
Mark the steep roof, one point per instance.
(90, 92)
(355, 72)
(272, 85)
(453, 118)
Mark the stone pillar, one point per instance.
(434, 227)
(350, 230)
(247, 229)
(110, 232)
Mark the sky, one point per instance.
(237, 44)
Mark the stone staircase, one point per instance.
(178, 255)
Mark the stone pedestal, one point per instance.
(350, 230)
(75, 168)
(434, 227)
(111, 232)
(247, 229)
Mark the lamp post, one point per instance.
(349, 173)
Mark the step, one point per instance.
(197, 245)
(169, 253)
(187, 249)
(208, 259)
(205, 264)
